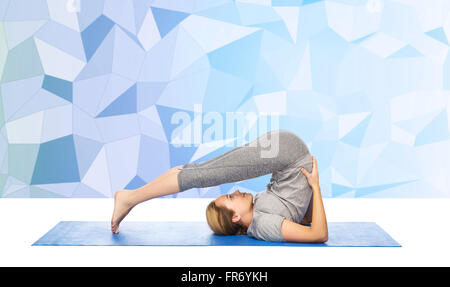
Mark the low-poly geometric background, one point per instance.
(89, 90)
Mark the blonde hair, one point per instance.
(219, 220)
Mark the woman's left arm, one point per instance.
(307, 219)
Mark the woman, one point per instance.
(290, 209)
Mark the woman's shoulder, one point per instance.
(265, 226)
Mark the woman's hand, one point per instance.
(313, 177)
(318, 231)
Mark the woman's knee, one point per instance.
(175, 169)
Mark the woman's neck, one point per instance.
(246, 219)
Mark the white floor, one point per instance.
(420, 225)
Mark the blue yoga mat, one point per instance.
(133, 233)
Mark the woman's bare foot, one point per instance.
(122, 206)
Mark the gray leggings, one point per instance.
(270, 152)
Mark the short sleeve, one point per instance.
(266, 226)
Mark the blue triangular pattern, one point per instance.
(436, 130)
(135, 183)
(240, 57)
(22, 61)
(124, 104)
(338, 189)
(148, 94)
(165, 115)
(248, 96)
(372, 189)
(300, 125)
(406, 52)
(86, 150)
(276, 3)
(226, 86)
(265, 80)
(166, 20)
(438, 34)
(140, 11)
(225, 76)
(179, 155)
(276, 27)
(102, 60)
(36, 192)
(23, 91)
(227, 12)
(153, 157)
(307, 2)
(59, 87)
(414, 124)
(25, 10)
(56, 162)
(90, 11)
(362, 39)
(94, 35)
(84, 191)
(356, 135)
(216, 152)
(132, 37)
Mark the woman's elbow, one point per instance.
(323, 237)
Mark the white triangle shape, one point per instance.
(338, 178)
(149, 34)
(18, 31)
(348, 122)
(302, 79)
(97, 177)
(212, 34)
(290, 18)
(58, 63)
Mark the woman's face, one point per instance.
(240, 202)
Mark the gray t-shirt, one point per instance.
(286, 196)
